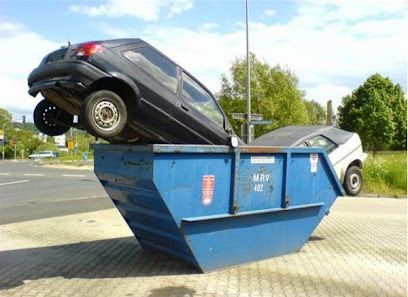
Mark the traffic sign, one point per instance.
(70, 143)
(243, 116)
(261, 122)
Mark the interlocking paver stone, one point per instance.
(358, 250)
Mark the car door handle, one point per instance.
(184, 107)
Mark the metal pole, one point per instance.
(4, 140)
(76, 140)
(15, 152)
(249, 136)
(70, 130)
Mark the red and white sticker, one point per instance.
(208, 189)
(314, 159)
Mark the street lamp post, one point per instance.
(248, 126)
(4, 140)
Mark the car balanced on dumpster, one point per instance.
(125, 91)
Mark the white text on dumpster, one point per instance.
(259, 179)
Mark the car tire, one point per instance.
(104, 114)
(353, 181)
(45, 115)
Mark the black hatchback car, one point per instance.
(125, 91)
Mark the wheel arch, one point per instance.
(124, 87)
(356, 162)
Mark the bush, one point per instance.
(385, 173)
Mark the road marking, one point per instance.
(58, 200)
(4, 173)
(74, 175)
(15, 182)
(78, 198)
(33, 174)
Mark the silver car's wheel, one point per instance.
(353, 181)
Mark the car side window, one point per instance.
(154, 64)
(321, 141)
(201, 100)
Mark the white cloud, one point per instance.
(268, 13)
(16, 64)
(208, 26)
(144, 10)
(324, 92)
(324, 11)
(179, 6)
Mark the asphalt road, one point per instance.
(30, 191)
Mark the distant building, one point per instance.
(42, 137)
(60, 141)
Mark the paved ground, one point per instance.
(358, 250)
(29, 191)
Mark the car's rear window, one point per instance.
(321, 141)
(154, 64)
(55, 56)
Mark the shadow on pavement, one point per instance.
(112, 258)
(172, 291)
(315, 238)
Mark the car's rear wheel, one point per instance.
(104, 114)
(46, 115)
(353, 181)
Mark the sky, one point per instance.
(333, 46)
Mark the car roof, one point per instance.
(294, 135)
(109, 43)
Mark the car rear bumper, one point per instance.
(75, 75)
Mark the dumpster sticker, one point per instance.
(208, 189)
(262, 159)
(314, 159)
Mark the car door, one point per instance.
(157, 77)
(202, 111)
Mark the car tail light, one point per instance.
(88, 49)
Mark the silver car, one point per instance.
(344, 149)
(43, 155)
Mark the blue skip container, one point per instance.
(215, 206)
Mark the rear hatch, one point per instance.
(70, 52)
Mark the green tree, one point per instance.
(376, 110)
(84, 141)
(316, 113)
(274, 94)
(49, 145)
(5, 117)
(24, 139)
